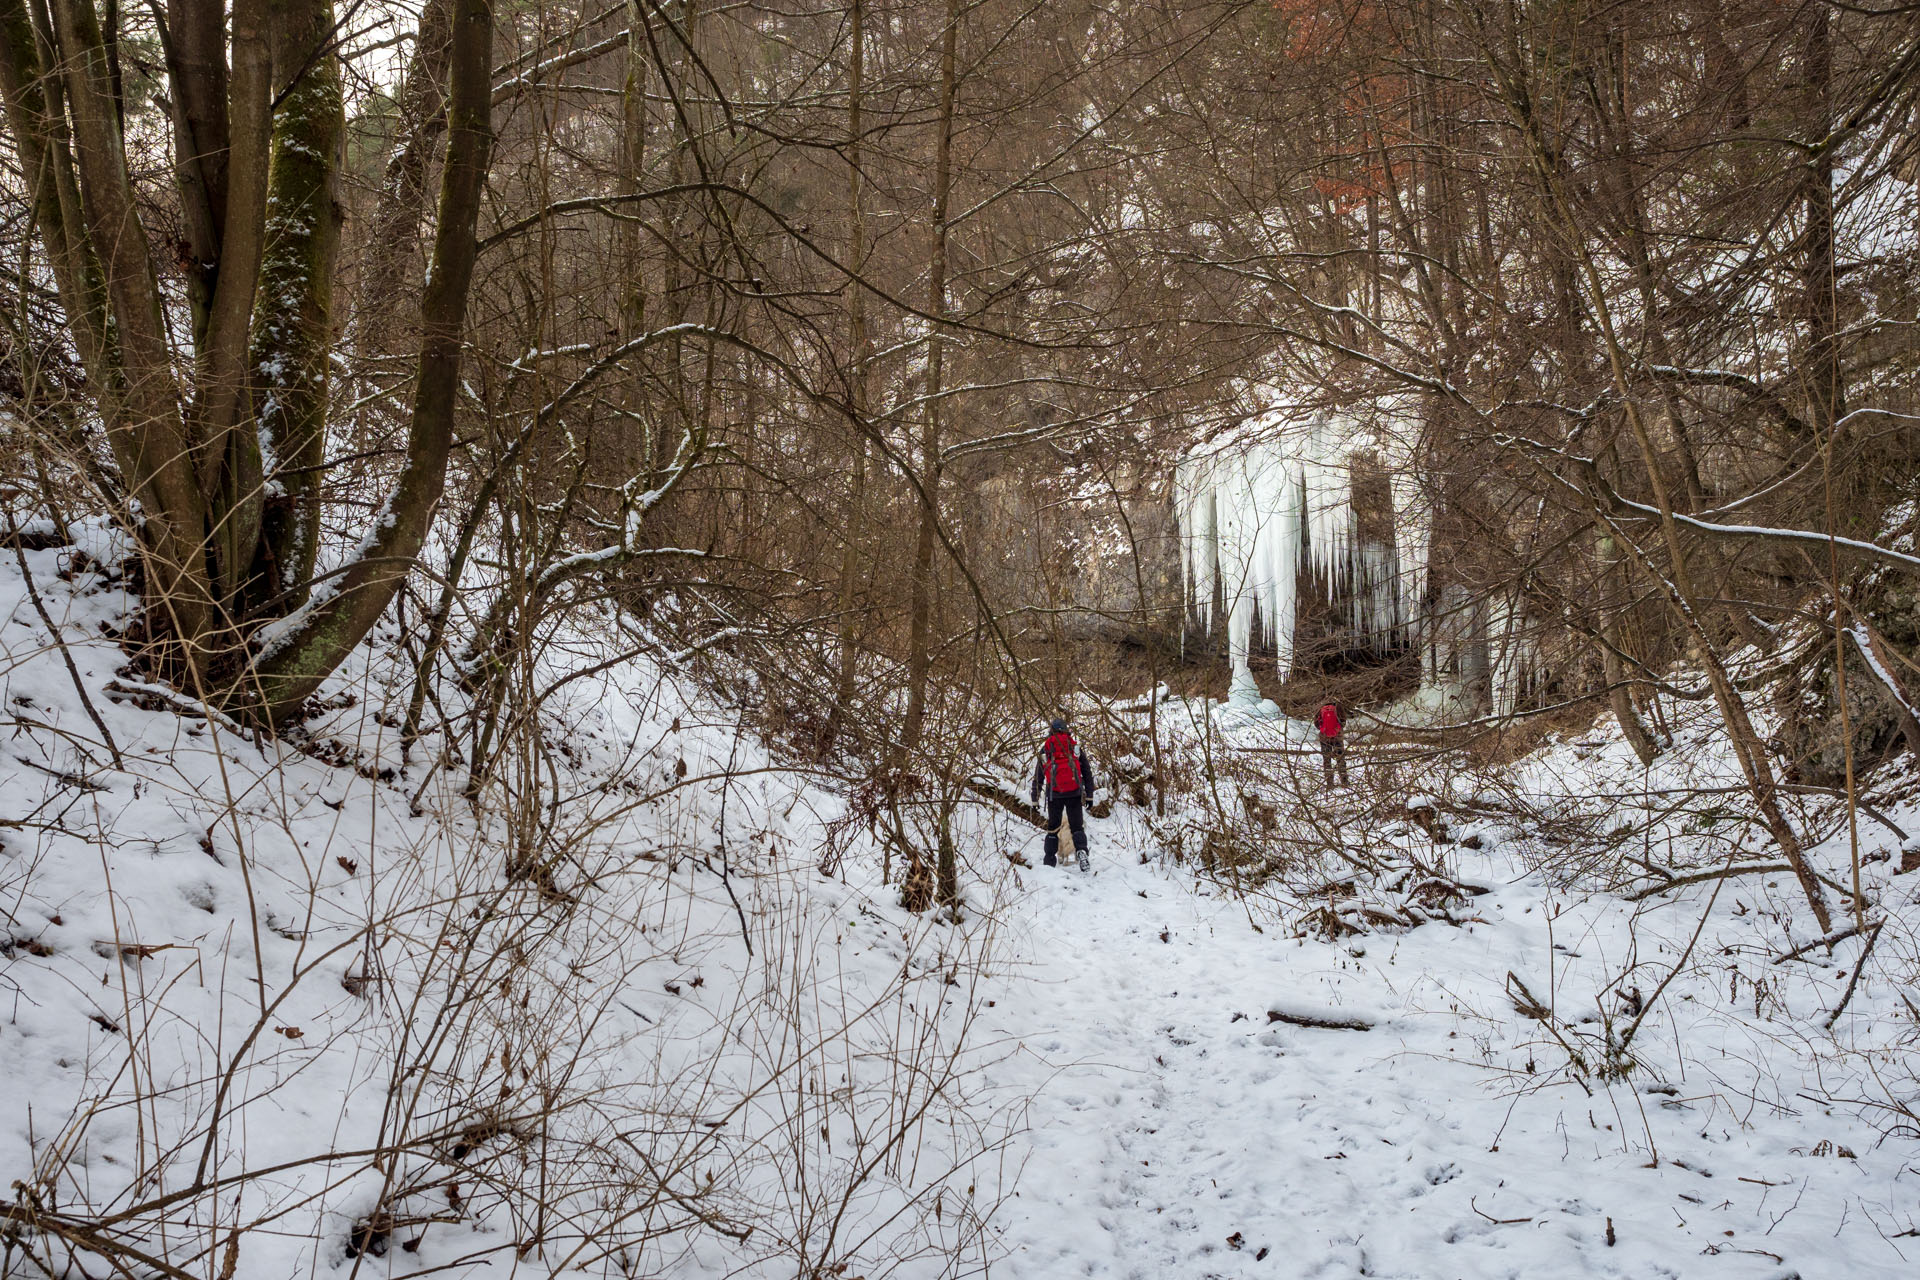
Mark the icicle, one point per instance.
(1329, 497)
(1413, 529)
(1512, 654)
(1195, 509)
(1376, 601)
(1255, 511)
(1283, 562)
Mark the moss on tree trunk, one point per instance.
(293, 321)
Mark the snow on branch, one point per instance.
(1729, 378)
(1874, 654)
(505, 90)
(634, 508)
(1619, 505)
(613, 358)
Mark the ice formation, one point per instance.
(1511, 654)
(1257, 507)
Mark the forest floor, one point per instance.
(1113, 1074)
(1180, 1131)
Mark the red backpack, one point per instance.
(1330, 725)
(1063, 771)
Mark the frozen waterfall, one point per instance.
(1257, 508)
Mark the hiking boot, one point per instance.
(1050, 861)
(1083, 859)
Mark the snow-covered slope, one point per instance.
(289, 1008)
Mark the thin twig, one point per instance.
(1873, 936)
(1829, 941)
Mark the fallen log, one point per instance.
(992, 791)
(1721, 873)
(1322, 1021)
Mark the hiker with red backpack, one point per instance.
(1064, 770)
(1333, 745)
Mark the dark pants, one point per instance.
(1076, 820)
(1333, 751)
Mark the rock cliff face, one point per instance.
(1098, 562)
(1130, 588)
(1814, 731)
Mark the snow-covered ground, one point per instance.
(1179, 1131)
(303, 1006)
(295, 1007)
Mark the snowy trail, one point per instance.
(1138, 1160)
(1177, 1133)
(1177, 1125)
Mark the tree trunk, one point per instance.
(630, 234)
(36, 117)
(223, 408)
(920, 616)
(293, 325)
(303, 648)
(151, 442)
(947, 866)
(1620, 698)
(857, 384)
(196, 53)
(389, 265)
(1826, 385)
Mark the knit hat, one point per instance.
(1058, 725)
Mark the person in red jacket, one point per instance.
(1333, 746)
(1068, 778)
